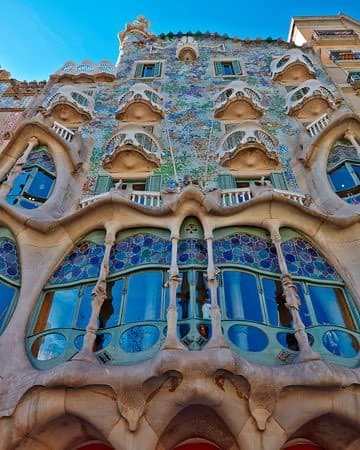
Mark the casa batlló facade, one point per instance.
(179, 245)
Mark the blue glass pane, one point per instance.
(356, 169)
(110, 310)
(7, 294)
(303, 309)
(183, 296)
(304, 260)
(57, 310)
(102, 340)
(183, 330)
(275, 301)
(19, 184)
(330, 306)
(48, 347)
(341, 343)
(83, 262)
(227, 69)
(28, 205)
(148, 70)
(40, 186)
(9, 262)
(341, 179)
(241, 296)
(141, 249)
(140, 338)
(84, 312)
(353, 200)
(143, 297)
(247, 338)
(247, 250)
(78, 341)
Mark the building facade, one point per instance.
(179, 264)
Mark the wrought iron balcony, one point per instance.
(344, 55)
(334, 34)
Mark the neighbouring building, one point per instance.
(180, 245)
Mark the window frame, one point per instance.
(350, 192)
(233, 61)
(143, 64)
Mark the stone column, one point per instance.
(292, 298)
(351, 137)
(217, 339)
(98, 297)
(172, 341)
(17, 167)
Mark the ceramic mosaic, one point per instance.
(192, 252)
(8, 121)
(341, 152)
(41, 157)
(305, 261)
(189, 91)
(82, 263)
(138, 250)
(247, 250)
(9, 261)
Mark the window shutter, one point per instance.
(103, 184)
(236, 67)
(157, 69)
(139, 70)
(226, 181)
(153, 183)
(278, 180)
(218, 68)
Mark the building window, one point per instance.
(35, 183)
(148, 69)
(343, 169)
(228, 68)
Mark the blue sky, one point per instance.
(38, 36)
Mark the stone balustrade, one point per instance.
(318, 125)
(62, 131)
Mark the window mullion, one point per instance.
(262, 299)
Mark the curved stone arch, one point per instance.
(330, 431)
(196, 421)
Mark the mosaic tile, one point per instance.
(9, 261)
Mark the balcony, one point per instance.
(141, 103)
(145, 198)
(238, 101)
(318, 125)
(62, 131)
(309, 100)
(336, 35)
(249, 148)
(292, 67)
(70, 106)
(354, 79)
(344, 55)
(85, 72)
(132, 150)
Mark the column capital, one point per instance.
(33, 140)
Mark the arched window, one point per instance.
(343, 168)
(255, 317)
(132, 318)
(34, 185)
(9, 277)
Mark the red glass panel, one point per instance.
(199, 446)
(304, 447)
(95, 447)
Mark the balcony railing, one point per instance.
(234, 197)
(63, 132)
(318, 125)
(354, 79)
(145, 198)
(334, 34)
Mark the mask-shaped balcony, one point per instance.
(238, 101)
(310, 100)
(85, 72)
(249, 148)
(292, 67)
(187, 49)
(132, 151)
(141, 103)
(70, 106)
